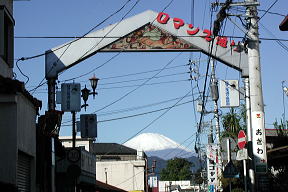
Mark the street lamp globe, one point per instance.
(285, 89)
(85, 95)
(94, 82)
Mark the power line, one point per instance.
(125, 81)
(129, 86)
(183, 36)
(277, 41)
(125, 95)
(158, 83)
(84, 55)
(50, 51)
(125, 110)
(161, 115)
(93, 47)
(137, 107)
(21, 71)
(78, 38)
(157, 118)
(138, 114)
(266, 11)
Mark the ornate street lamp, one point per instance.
(94, 81)
(86, 92)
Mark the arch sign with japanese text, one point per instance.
(147, 31)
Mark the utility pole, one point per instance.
(51, 106)
(257, 135)
(256, 93)
(215, 97)
(249, 135)
(73, 129)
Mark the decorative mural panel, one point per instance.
(149, 38)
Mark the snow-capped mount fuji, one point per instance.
(154, 144)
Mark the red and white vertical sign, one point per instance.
(212, 160)
(259, 142)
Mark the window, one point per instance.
(6, 36)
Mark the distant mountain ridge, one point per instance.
(160, 148)
(149, 142)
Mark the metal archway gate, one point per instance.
(146, 32)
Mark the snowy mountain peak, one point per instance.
(153, 142)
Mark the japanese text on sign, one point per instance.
(163, 18)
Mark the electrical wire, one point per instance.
(140, 85)
(93, 47)
(103, 21)
(125, 110)
(83, 56)
(153, 121)
(277, 41)
(137, 107)
(141, 79)
(133, 90)
(182, 36)
(266, 11)
(139, 114)
(21, 71)
(39, 55)
(127, 86)
(204, 88)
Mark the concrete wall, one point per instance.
(17, 133)
(26, 133)
(8, 138)
(127, 175)
(67, 142)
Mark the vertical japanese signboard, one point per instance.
(88, 125)
(259, 142)
(71, 97)
(212, 161)
(229, 93)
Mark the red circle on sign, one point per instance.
(241, 139)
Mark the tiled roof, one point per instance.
(105, 187)
(112, 149)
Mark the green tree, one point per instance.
(233, 122)
(177, 169)
(198, 179)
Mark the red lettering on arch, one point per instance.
(178, 23)
(163, 18)
(192, 32)
(208, 36)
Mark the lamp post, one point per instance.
(86, 92)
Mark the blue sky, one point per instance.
(75, 18)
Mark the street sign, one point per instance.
(242, 154)
(230, 171)
(241, 139)
(259, 142)
(88, 125)
(224, 144)
(212, 160)
(229, 93)
(71, 97)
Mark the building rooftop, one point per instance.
(11, 86)
(112, 149)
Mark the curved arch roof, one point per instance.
(69, 54)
